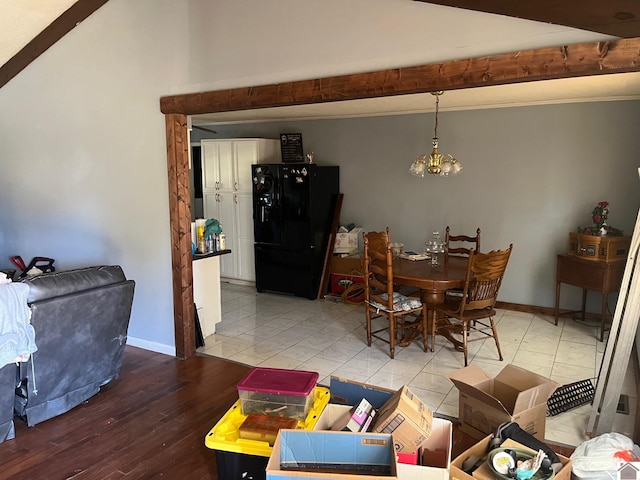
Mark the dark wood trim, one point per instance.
(180, 220)
(521, 307)
(62, 25)
(525, 66)
(620, 18)
(548, 311)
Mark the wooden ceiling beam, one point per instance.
(584, 59)
(620, 18)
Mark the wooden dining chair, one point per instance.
(473, 312)
(455, 243)
(382, 299)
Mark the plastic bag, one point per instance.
(600, 457)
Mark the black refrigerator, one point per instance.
(293, 207)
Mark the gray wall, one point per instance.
(531, 175)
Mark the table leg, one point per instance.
(432, 298)
(584, 304)
(604, 316)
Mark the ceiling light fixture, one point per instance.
(435, 163)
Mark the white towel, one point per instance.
(17, 336)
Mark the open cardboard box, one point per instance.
(515, 394)
(435, 452)
(399, 412)
(332, 455)
(481, 449)
(435, 455)
(434, 449)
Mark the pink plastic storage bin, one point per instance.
(277, 392)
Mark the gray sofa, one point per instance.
(81, 318)
(7, 385)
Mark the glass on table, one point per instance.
(434, 246)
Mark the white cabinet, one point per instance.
(206, 292)
(227, 192)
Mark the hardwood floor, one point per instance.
(150, 423)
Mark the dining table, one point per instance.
(433, 280)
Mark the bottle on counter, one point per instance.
(222, 241)
(202, 244)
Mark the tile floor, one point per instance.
(329, 337)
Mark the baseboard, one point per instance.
(152, 346)
(549, 311)
(237, 281)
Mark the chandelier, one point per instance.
(435, 163)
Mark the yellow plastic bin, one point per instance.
(237, 456)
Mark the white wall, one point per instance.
(82, 139)
(82, 143)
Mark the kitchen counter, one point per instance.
(206, 289)
(200, 256)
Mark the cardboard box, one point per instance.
(332, 455)
(351, 265)
(406, 417)
(350, 392)
(515, 394)
(347, 242)
(481, 449)
(330, 415)
(399, 412)
(362, 417)
(435, 455)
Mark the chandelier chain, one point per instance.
(435, 130)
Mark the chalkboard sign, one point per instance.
(291, 147)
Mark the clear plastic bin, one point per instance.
(277, 392)
(225, 435)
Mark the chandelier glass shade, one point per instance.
(435, 163)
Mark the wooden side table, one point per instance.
(602, 277)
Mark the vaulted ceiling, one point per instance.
(620, 18)
(30, 27)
